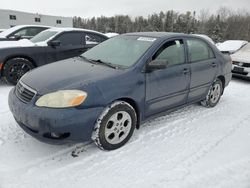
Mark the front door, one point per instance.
(168, 88)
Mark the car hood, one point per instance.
(74, 73)
(231, 46)
(19, 43)
(243, 57)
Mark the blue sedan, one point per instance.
(110, 90)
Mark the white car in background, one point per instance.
(1, 30)
(231, 46)
(22, 32)
(241, 62)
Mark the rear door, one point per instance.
(168, 88)
(203, 68)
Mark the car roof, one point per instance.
(67, 29)
(155, 34)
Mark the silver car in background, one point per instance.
(241, 62)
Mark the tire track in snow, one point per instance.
(229, 175)
(204, 150)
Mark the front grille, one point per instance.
(24, 93)
(241, 64)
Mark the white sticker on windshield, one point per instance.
(148, 39)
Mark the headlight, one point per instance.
(62, 99)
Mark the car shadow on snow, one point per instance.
(242, 80)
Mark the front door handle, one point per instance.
(186, 71)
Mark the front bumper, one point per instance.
(75, 125)
(242, 72)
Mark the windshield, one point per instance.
(123, 51)
(43, 36)
(7, 32)
(246, 48)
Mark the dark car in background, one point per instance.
(22, 32)
(19, 57)
(114, 87)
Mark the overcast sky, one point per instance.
(90, 8)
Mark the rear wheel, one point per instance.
(214, 94)
(15, 68)
(115, 126)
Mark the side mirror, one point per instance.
(17, 36)
(156, 65)
(54, 43)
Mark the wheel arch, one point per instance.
(135, 106)
(19, 56)
(223, 80)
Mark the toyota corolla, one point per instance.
(110, 90)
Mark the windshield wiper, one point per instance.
(99, 61)
(83, 57)
(104, 63)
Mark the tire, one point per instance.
(214, 94)
(115, 126)
(15, 68)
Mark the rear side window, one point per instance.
(198, 50)
(92, 38)
(172, 51)
(72, 38)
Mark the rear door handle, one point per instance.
(214, 64)
(186, 71)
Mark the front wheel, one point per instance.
(115, 126)
(15, 68)
(214, 94)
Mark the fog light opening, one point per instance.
(57, 136)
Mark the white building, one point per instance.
(10, 18)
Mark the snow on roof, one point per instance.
(110, 35)
(205, 37)
(231, 46)
(6, 32)
(62, 29)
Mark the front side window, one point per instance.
(123, 51)
(44, 36)
(72, 38)
(172, 51)
(199, 50)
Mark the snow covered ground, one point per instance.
(192, 147)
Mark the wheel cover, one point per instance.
(17, 70)
(215, 93)
(118, 127)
